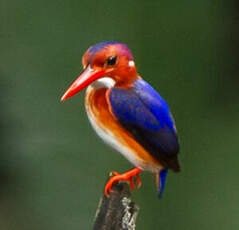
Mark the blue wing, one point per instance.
(146, 116)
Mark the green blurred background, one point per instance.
(53, 166)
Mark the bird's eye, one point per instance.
(111, 60)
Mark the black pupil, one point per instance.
(111, 60)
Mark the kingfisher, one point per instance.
(127, 113)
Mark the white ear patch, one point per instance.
(131, 63)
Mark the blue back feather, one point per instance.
(155, 103)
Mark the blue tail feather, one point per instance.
(162, 181)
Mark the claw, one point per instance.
(125, 176)
(115, 173)
(131, 183)
(139, 183)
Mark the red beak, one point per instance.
(88, 76)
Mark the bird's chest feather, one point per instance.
(108, 128)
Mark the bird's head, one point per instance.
(105, 59)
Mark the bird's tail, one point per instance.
(160, 179)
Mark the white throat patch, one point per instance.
(105, 82)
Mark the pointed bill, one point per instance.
(88, 76)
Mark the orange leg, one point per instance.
(125, 176)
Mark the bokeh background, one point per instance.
(53, 166)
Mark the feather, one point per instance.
(146, 116)
(160, 179)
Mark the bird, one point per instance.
(127, 113)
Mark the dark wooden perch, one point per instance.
(117, 212)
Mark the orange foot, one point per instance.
(125, 176)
